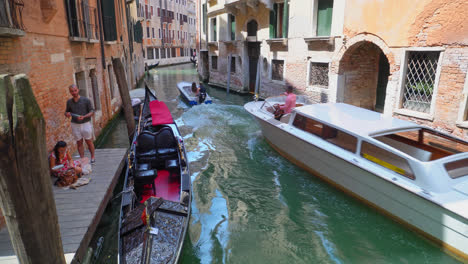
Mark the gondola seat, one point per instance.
(146, 147)
(145, 176)
(166, 146)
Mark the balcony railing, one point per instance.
(83, 20)
(11, 14)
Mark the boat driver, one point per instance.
(289, 104)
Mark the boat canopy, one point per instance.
(354, 119)
(160, 114)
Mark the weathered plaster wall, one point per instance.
(409, 22)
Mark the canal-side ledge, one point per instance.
(79, 211)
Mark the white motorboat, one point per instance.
(185, 89)
(415, 174)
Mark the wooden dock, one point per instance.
(79, 211)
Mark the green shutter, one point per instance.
(324, 17)
(204, 18)
(233, 27)
(273, 21)
(285, 19)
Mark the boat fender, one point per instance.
(184, 198)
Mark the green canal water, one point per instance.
(250, 205)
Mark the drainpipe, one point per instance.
(103, 55)
(285, 19)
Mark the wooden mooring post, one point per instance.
(26, 194)
(124, 94)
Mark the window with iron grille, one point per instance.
(277, 69)
(233, 64)
(181, 50)
(214, 62)
(163, 53)
(318, 74)
(419, 80)
(11, 14)
(82, 19)
(173, 52)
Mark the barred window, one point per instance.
(214, 62)
(277, 69)
(233, 64)
(419, 80)
(318, 74)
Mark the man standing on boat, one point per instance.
(289, 104)
(80, 110)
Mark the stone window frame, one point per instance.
(211, 29)
(401, 83)
(307, 80)
(462, 119)
(270, 70)
(211, 62)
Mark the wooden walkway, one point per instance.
(79, 211)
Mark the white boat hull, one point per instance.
(437, 223)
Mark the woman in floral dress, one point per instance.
(67, 173)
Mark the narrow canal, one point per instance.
(250, 205)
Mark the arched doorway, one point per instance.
(253, 52)
(252, 28)
(365, 69)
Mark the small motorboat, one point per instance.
(415, 174)
(156, 196)
(185, 89)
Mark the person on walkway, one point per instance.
(80, 110)
(63, 166)
(289, 104)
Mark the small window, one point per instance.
(277, 70)
(386, 159)
(233, 64)
(457, 169)
(419, 82)
(318, 74)
(147, 32)
(328, 133)
(152, 31)
(214, 62)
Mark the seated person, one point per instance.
(61, 156)
(195, 89)
(289, 104)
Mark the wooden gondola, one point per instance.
(193, 59)
(156, 196)
(152, 66)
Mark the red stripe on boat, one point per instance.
(160, 113)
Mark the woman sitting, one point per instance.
(62, 165)
(195, 89)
